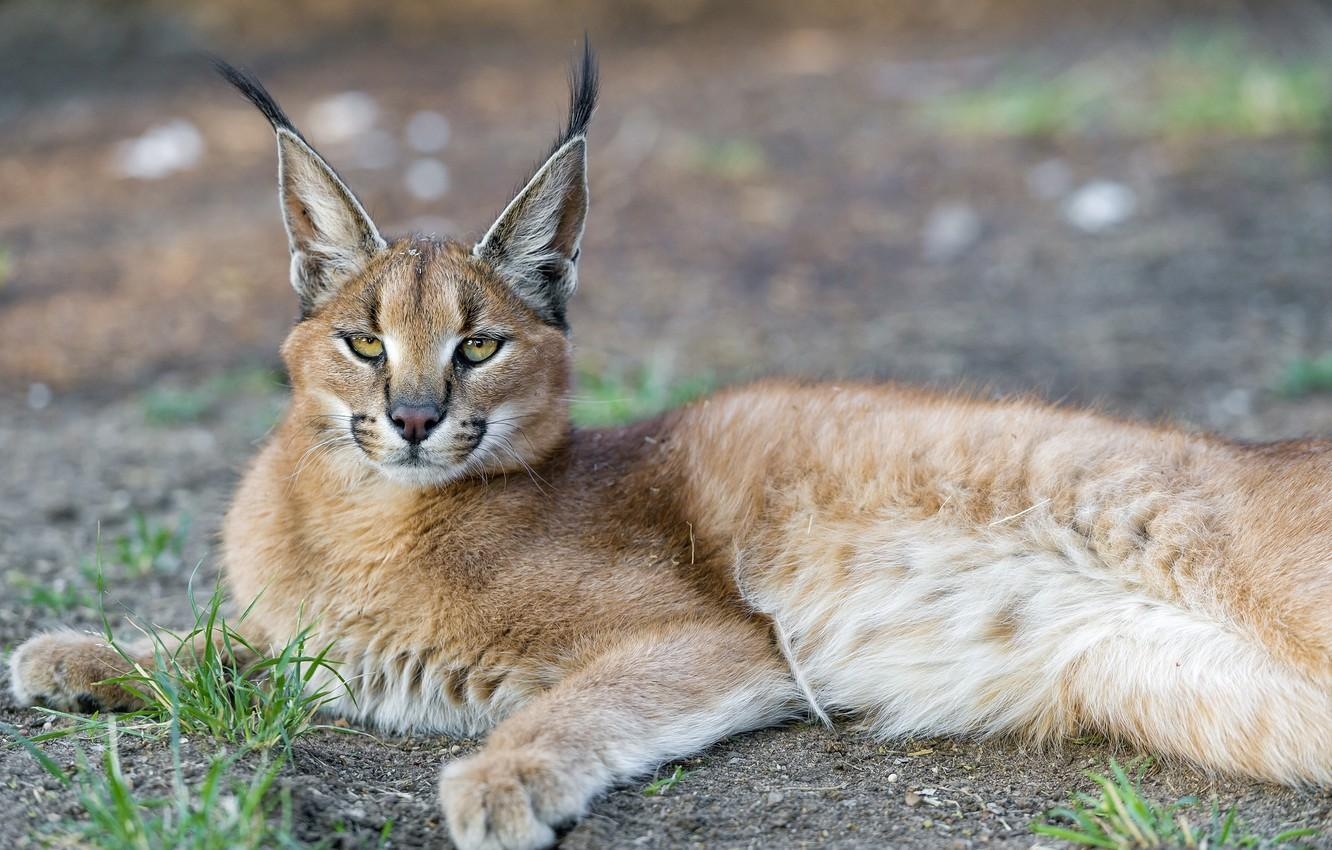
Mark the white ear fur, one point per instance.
(534, 242)
(330, 235)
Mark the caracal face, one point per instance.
(427, 369)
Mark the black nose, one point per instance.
(415, 421)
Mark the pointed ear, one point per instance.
(331, 237)
(534, 243)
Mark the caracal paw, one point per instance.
(506, 800)
(68, 671)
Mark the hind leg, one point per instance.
(1179, 684)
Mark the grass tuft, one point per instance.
(168, 404)
(661, 785)
(1306, 376)
(1203, 83)
(151, 546)
(1121, 818)
(200, 684)
(617, 399)
(197, 683)
(216, 812)
(59, 595)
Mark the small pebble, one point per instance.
(1100, 205)
(951, 229)
(342, 117)
(912, 799)
(427, 131)
(161, 151)
(427, 179)
(39, 396)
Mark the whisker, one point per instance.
(537, 480)
(327, 446)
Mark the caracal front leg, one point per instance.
(657, 695)
(71, 670)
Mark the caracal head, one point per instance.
(424, 360)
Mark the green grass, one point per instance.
(1306, 376)
(661, 785)
(1217, 81)
(1119, 817)
(175, 405)
(58, 596)
(151, 546)
(260, 707)
(197, 684)
(1025, 105)
(618, 398)
(1203, 83)
(216, 812)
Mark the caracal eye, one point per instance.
(366, 346)
(478, 350)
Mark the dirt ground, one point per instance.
(767, 199)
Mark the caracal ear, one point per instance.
(331, 237)
(533, 245)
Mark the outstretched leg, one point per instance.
(72, 671)
(655, 696)
(1176, 683)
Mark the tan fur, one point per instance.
(606, 600)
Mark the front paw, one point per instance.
(67, 670)
(507, 799)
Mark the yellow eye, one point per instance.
(366, 346)
(478, 350)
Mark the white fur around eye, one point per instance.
(392, 351)
(448, 348)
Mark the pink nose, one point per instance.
(415, 421)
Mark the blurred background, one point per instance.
(1123, 203)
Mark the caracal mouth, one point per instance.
(415, 467)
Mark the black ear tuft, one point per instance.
(331, 237)
(534, 244)
(584, 81)
(248, 84)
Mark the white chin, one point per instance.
(420, 471)
(420, 474)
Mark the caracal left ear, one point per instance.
(533, 245)
(331, 237)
